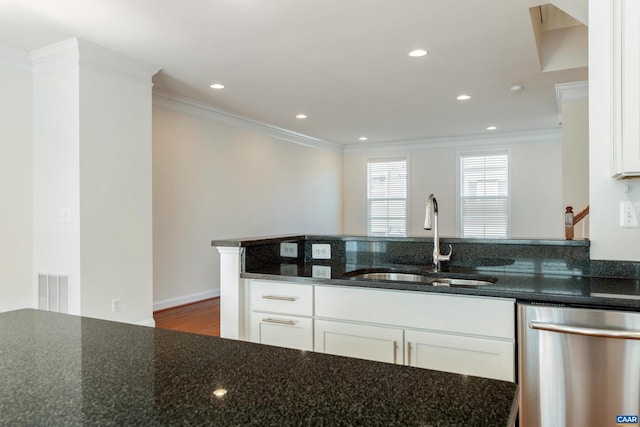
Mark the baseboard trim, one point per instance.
(149, 322)
(185, 299)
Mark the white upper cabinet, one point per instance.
(625, 88)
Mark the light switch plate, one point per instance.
(64, 215)
(321, 251)
(628, 215)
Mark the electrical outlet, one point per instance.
(115, 305)
(628, 215)
(321, 251)
(289, 269)
(289, 250)
(321, 272)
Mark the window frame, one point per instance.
(383, 159)
(478, 153)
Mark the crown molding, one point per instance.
(499, 138)
(59, 56)
(15, 60)
(76, 52)
(207, 112)
(102, 59)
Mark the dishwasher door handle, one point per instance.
(589, 332)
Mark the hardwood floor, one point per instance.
(202, 317)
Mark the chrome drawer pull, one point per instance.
(280, 322)
(589, 332)
(278, 298)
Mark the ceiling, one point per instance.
(343, 63)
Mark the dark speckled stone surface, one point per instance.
(612, 293)
(514, 256)
(543, 271)
(58, 370)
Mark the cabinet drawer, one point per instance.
(452, 313)
(280, 297)
(482, 357)
(282, 331)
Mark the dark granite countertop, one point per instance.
(617, 293)
(544, 271)
(255, 241)
(58, 369)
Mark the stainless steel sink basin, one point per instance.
(445, 281)
(402, 277)
(433, 279)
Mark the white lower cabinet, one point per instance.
(280, 314)
(453, 333)
(281, 330)
(481, 357)
(377, 343)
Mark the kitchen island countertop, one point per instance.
(58, 369)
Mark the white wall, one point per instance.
(15, 182)
(115, 195)
(536, 173)
(608, 240)
(213, 180)
(575, 159)
(56, 175)
(92, 155)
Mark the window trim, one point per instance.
(386, 158)
(483, 152)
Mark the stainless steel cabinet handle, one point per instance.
(589, 332)
(278, 298)
(280, 322)
(408, 353)
(395, 352)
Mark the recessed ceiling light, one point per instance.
(418, 52)
(363, 138)
(516, 88)
(463, 97)
(217, 86)
(301, 116)
(492, 128)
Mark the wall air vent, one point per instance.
(53, 293)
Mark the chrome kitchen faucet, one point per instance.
(432, 211)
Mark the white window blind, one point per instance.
(484, 195)
(387, 197)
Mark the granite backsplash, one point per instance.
(506, 256)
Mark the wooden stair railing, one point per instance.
(570, 220)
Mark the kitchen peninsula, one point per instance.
(58, 369)
(378, 298)
(556, 271)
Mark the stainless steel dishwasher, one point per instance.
(578, 366)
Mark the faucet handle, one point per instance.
(446, 257)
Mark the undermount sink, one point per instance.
(402, 277)
(433, 279)
(448, 281)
